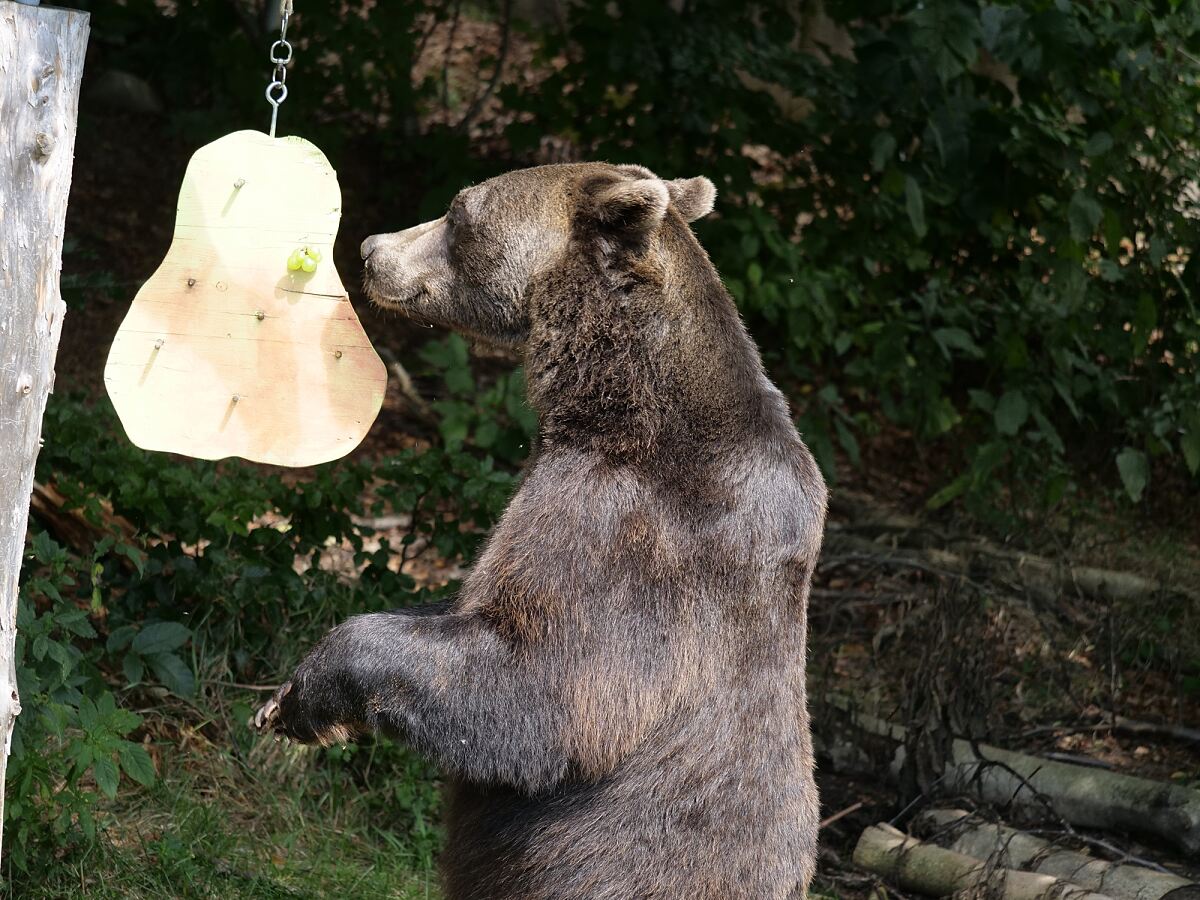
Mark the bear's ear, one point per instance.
(692, 197)
(634, 207)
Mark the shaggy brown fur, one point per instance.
(618, 690)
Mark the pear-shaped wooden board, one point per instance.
(225, 352)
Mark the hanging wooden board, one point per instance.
(227, 352)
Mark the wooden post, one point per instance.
(41, 61)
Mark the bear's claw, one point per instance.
(267, 717)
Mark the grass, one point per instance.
(278, 821)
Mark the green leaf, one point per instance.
(1110, 271)
(1189, 443)
(914, 204)
(958, 339)
(134, 668)
(1012, 410)
(88, 717)
(459, 381)
(1083, 214)
(87, 822)
(1113, 231)
(453, 427)
(486, 433)
(61, 655)
(1098, 144)
(107, 775)
(1056, 487)
(1049, 432)
(1134, 467)
(161, 637)
(950, 492)
(848, 441)
(76, 622)
(136, 763)
(173, 673)
(982, 400)
(123, 721)
(883, 147)
(1064, 392)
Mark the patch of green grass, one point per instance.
(217, 829)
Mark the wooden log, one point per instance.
(1019, 850)
(41, 61)
(937, 872)
(1094, 798)
(1167, 814)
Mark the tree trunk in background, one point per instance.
(41, 61)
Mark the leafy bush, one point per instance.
(228, 557)
(71, 726)
(977, 219)
(974, 220)
(495, 420)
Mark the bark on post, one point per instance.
(41, 61)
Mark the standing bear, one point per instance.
(617, 694)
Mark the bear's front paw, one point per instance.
(267, 718)
(287, 714)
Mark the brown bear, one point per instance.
(617, 694)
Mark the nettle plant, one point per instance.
(976, 219)
(71, 727)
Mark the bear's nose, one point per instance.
(368, 246)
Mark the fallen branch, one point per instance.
(905, 539)
(1121, 725)
(1051, 579)
(937, 872)
(1155, 729)
(849, 810)
(416, 403)
(72, 528)
(1018, 849)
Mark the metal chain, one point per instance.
(281, 55)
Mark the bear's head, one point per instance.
(472, 269)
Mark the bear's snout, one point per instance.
(368, 246)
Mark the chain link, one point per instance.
(281, 55)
